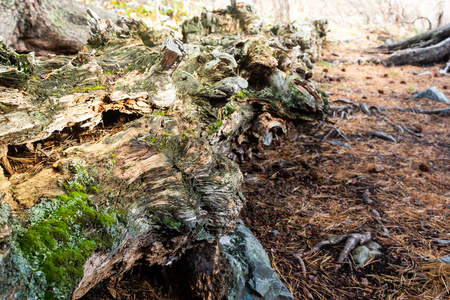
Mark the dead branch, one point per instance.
(435, 36)
(425, 55)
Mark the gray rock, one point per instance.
(445, 259)
(362, 254)
(433, 93)
(252, 276)
(443, 242)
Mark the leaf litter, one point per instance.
(378, 165)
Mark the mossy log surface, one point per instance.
(163, 184)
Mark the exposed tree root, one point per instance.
(384, 136)
(334, 110)
(302, 263)
(334, 129)
(352, 240)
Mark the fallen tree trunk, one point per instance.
(432, 46)
(162, 185)
(428, 38)
(431, 54)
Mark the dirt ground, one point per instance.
(310, 185)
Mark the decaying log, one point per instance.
(429, 47)
(160, 187)
(431, 54)
(421, 40)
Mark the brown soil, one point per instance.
(309, 186)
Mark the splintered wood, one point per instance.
(174, 52)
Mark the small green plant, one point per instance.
(172, 223)
(325, 63)
(392, 73)
(240, 95)
(411, 88)
(213, 128)
(229, 108)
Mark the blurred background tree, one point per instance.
(397, 18)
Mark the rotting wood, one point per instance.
(7, 165)
(45, 27)
(164, 172)
(173, 53)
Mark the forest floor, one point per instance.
(310, 185)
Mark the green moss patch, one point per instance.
(60, 241)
